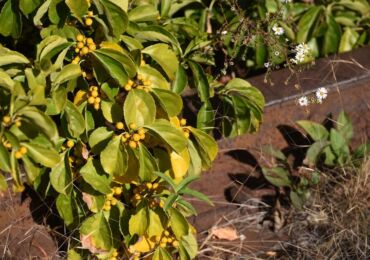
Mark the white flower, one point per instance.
(321, 94)
(267, 64)
(303, 101)
(278, 30)
(302, 51)
(277, 53)
(224, 32)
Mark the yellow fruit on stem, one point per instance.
(141, 131)
(130, 82)
(97, 100)
(23, 150)
(119, 125)
(70, 144)
(94, 93)
(90, 13)
(80, 37)
(88, 22)
(186, 134)
(84, 50)
(7, 119)
(149, 185)
(132, 144)
(127, 87)
(136, 137)
(18, 123)
(175, 243)
(92, 47)
(132, 126)
(18, 155)
(166, 233)
(155, 185)
(118, 190)
(96, 106)
(80, 45)
(113, 201)
(91, 100)
(115, 253)
(89, 41)
(183, 122)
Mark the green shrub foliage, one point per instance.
(90, 111)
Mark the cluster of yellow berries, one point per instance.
(167, 240)
(110, 199)
(88, 20)
(21, 151)
(7, 121)
(134, 138)
(114, 255)
(185, 130)
(94, 98)
(145, 190)
(83, 46)
(6, 143)
(140, 83)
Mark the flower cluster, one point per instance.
(321, 94)
(301, 52)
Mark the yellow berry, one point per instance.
(92, 47)
(123, 139)
(89, 41)
(130, 82)
(164, 240)
(141, 131)
(90, 13)
(18, 123)
(186, 134)
(149, 185)
(183, 122)
(80, 37)
(127, 87)
(163, 245)
(96, 106)
(70, 143)
(113, 201)
(136, 137)
(115, 253)
(169, 240)
(80, 45)
(88, 22)
(23, 150)
(107, 207)
(166, 233)
(77, 50)
(155, 185)
(175, 243)
(94, 93)
(127, 135)
(132, 126)
(137, 196)
(109, 196)
(84, 50)
(7, 119)
(18, 155)
(142, 136)
(140, 87)
(161, 204)
(119, 125)
(97, 100)
(118, 190)
(147, 90)
(139, 77)
(113, 258)
(76, 60)
(8, 145)
(91, 100)
(132, 144)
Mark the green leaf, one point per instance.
(8, 56)
(178, 223)
(170, 201)
(139, 108)
(169, 134)
(28, 6)
(143, 13)
(316, 131)
(69, 72)
(200, 81)
(4, 159)
(10, 20)
(306, 24)
(76, 122)
(6, 81)
(332, 36)
(165, 7)
(43, 122)
(338, 144)
(169, 101)
(45, 156)
(99, 138)
(180, 81)
(195, 167)
(139, 222)
(348, 40)
(207, 147)
(277, 176)
(161, 254)
(157, 79)
(196, 194)
(112, 111)
(96, 234)
(189, 242)
(41, 11)
(344, 126)
(167, 178)
(296, 199)
(78, 7)
(206, 117)
(114, 157)
(3, 184)
(112, 67)
(147, 164)
(313, 153)
(67, 208)
(270, 150)
(165, 57)
(61, 177)
(156, 219)
(93, 173)
(185, 182)
(124, 59)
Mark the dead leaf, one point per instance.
(88, 243)
(227, 233)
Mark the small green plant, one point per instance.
(329, 148)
